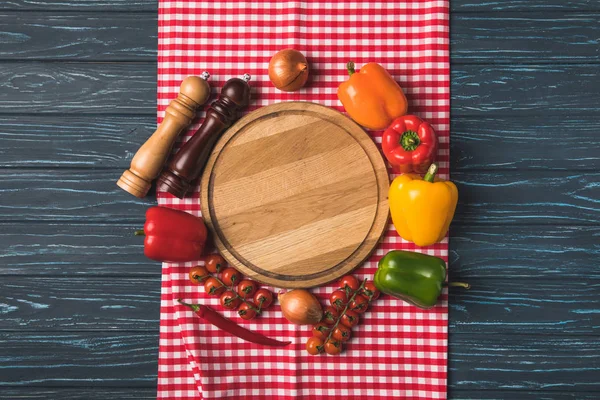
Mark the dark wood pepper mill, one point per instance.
(190, 160)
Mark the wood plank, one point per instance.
(459, 394)
(87, 393)
(500, 306)
(69, 195)
(115, 6)
(80, 304)
(478, 143)
(101, 393)
(535, 90)
(515, 362)
(526, 37)
(475, 38)
(523, 5)
(480, 251)
(129, 88)
(525, 306)
(98, 36)
(532, 197)
(523, 143)
(124, 359)
(75, 250)
(532, 252)
(521, 362)
(493, 197)
(106, 6)
(73, 141)
(62, 88)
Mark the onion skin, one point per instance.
(300, 307)
(288, 70)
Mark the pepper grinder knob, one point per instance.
(188, 163)
(150, 158)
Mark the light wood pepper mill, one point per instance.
(150, 158)
(188, 163)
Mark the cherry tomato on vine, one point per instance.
(330, 315)
(338, 299)
(350, 318)
(371, 291)
(230, 276)
(342, 333)
(349, 281)
(198, 274)
(246, 288)
(213, 287)
(314, 346)
(359, 304)
(263, 298)
(230, 300)
(246, 311)
(333, 347)
(215, 263)
(321, 330)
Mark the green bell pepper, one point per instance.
(413, 277)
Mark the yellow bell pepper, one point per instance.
(421, 208)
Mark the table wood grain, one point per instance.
(79, 301)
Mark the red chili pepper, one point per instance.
(173, 235)
(227, 325)
(410, 144)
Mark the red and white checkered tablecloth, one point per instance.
(398, 351)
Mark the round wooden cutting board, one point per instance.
(295, 195)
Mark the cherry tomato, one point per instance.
(338, 299)
(198, 274)
(263, 298)
(342, 333)
(371, 291)
(314, 346)
(359, 304)
(349, 282)
(333, 347)
(214, 263)
(246, 311)
(213, 287)
(350, 318)
(230, 300)
(321, 330)
(330, 315)
(246, 288)
(230, 276)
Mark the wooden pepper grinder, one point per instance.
(150, 158)
(188, 163)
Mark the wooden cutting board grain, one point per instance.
(295, 194)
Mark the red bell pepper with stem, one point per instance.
(173, 235)
(410, 144)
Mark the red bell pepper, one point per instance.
(173, 235)
(410, 144)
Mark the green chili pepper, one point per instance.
(413, 277)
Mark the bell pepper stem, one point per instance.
(430, 175)
(350, 68)
(458, 284)
(139, 232)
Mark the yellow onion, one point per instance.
(300, 307)
(288, 70)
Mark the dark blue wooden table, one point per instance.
(79, 302)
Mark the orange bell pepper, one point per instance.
(372, 97)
